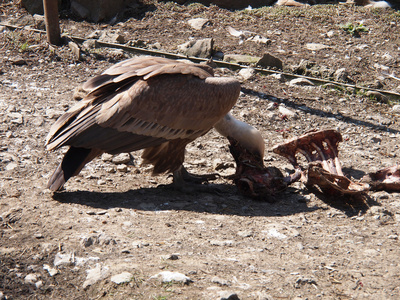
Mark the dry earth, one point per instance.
(113, 219)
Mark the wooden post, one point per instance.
(52, 21)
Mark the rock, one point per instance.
(170, 257)
(76, 51)
(226, 295)
(18, 61)
(259, 39)
(90, 44)
(39, 22)
(198, 48)
(301, 82)
(52, 271)
(341, 75)
(167, 276)
(198, 23)
(221, 243)
(241, 59)
(107, 157)
(31, 278)
(270, 61)
(378, 96)
(11, 166)
(16, 118)
(122, 168)
(122, 158)
(245, 233)
(2, 296)
(122, 278)
(287, 113)
(247, 73)
(64, 259)
(316, 46)
(303, 281)
(220, 281)
(112, 37)
(94, 275)
(39, 284)
(396, 109)
(278, 76)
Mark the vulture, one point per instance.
(156, 104)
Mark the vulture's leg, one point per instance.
(183, 175)
(190, 183)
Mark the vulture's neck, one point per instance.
(249, 137)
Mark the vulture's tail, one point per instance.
(73, 162)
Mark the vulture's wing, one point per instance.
(141, 103)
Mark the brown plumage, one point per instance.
(155, 104)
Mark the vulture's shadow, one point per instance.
(220, 199)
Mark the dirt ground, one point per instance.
(113, 219)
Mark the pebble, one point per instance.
(198, 23)
(220, 281)
(31, 278)
(11, 166)
(52, 271)
(2, 296)
(94, 275)
(396, 109)
(247, 73)
(315, 46)
(270, 61)
(221, 243)
(226, 295)
(122, 168)
(378, 96)
(301, 82)
(170, 257)
(122, 158)
(122, 278)
(167, 276)
(197, 48)
(245, 233)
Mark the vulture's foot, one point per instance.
(255, 180)
(320, 148)
(190, 183)
(387, 179)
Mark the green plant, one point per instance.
(354, 29)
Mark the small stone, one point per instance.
(301, 82)
(221, 243)
(220, 281)
(167, 276)
(16, 118)
(94, 275)
(122, 278)
(278, 76)
(76, 51)
(11, 166)
(198, 23)
(287, 113)
(241, 59)
(18, 61)
(245, 233)
(270, 61)
(2, 296)
(378, 96)
(31, 278)
(170, 257)
(122, 158)
(341, 75)
(393, 237)
(316, 46)
(90, 44)
(197, 48)
(52, 271)
(247, 73)
(38, 235)
(226, 295)
(396, 109)
(113, 38)
(101, 182)
(122, 168)
(39, 284)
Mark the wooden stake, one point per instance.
(52, 21)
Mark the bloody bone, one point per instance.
(320, 148)
(255, 180)
(387, 179)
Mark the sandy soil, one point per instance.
(113, 219)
